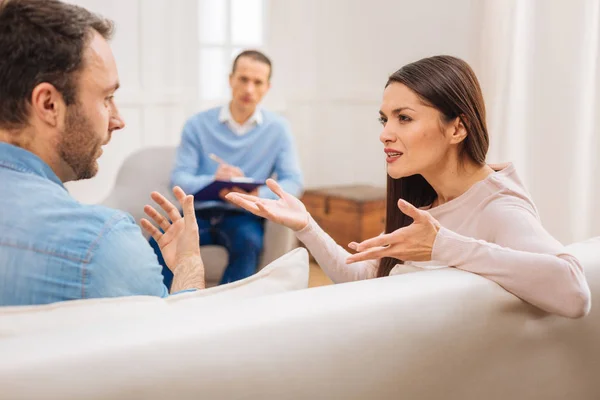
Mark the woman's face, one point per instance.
(415, 137)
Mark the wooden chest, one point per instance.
(348, 213)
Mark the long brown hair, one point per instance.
(450, 85)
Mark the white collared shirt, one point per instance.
(225, 117)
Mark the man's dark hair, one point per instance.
(254, 55)
(41, 41)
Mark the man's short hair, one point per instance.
(41, 41)
(254, 55)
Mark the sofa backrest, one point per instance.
(443, 334)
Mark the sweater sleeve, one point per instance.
(523, 258)
(187, 161)
(287, 167)
(332, 257)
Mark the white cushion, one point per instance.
(289, 272)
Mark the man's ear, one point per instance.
(47, 104)
(459, 129)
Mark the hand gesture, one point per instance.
(287, 211)
(180, 238)
(225, 191)
(411, 243)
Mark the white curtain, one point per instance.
(540, 71)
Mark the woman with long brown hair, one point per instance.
(445, 206)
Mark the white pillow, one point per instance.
(287, 273)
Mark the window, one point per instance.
(225, 27)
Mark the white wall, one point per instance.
(332, 59)
(542, 85)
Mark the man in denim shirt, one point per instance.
(57, 82)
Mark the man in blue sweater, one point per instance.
(236, 140)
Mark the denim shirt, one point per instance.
(53, 248)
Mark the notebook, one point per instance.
(211, 191)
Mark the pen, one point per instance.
(216, 158)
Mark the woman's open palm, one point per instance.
(287, 210)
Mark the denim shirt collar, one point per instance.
(18, 159)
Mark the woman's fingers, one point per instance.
(265, 212)
(378, 241)
(375, 253)
(245, 201)
(246, 196)
(236, 189)
(275, 188)
(410, 210)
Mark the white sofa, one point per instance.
(443, 334)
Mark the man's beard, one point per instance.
(79, 144)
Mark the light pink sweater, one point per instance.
(492, 230)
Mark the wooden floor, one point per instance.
(317, 277)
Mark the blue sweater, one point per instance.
(266, 151)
